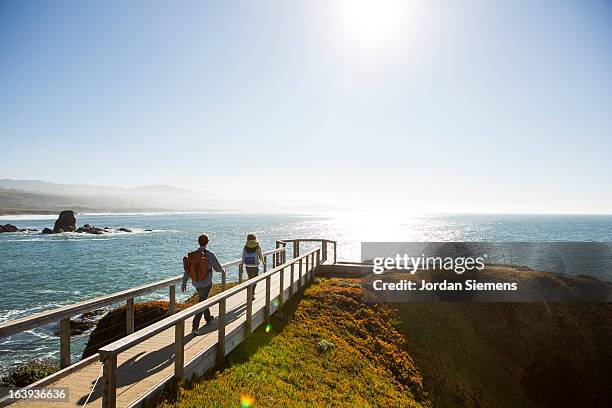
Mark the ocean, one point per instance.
(41, 272)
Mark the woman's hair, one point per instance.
(251, 237)
(203, 240)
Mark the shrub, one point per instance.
(323, 346)
(28, 373)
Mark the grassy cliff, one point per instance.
(336, 350)
(332, 351)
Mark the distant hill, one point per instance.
(42, 197)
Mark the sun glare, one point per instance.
(372, 23)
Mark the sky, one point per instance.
(420, 106)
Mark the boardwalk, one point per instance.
(145, 366)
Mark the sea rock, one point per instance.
(47, 231)
(8, 228)
(124, 230)
(90, 229)
(82, 323)
(65, 222)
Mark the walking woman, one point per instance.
(252, 257)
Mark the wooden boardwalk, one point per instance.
(150, 364)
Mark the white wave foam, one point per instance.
(25, 217)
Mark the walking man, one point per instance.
(198, 266)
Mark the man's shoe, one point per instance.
(209, 321)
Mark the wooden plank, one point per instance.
(221, 338)
(179, 352)
(335, 253)
(291, 280)
(172, 301)
(267, 306)
(248, 327)
(281, 294)
(109, 399)
(129, 315)
(300, 276)
(64, 342)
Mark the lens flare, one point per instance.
(268, 328)
(246, 400)
(275, 302)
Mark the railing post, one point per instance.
(312, 265)
(221, 339)
(65, 342)
(240, 273)
(324, 249)
(172, 302)
(300, 275)
(129, 315)
(223, 278)
(296, 248)
(179, 352)
(281, 295)
(267, 307)
(265, 263)
(335, 253)
(307, 269)
(291, 277)
(109, 399)
(248, 328)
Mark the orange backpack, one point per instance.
(196, 265)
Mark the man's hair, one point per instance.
(251, 237)
(203, 239)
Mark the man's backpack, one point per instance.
(196, 265)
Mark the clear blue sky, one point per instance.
(424, 105)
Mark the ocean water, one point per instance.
(40, 272)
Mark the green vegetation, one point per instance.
(28, 373)
(335, 351)
(460, 368)
(331, 349)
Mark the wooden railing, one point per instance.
(63, 314)
(109, 353)
(281, 243)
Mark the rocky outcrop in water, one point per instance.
(83, 323)
(66, 222)
(90, 229)
(12, 228)
(8, 228)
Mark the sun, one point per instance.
(372, 23)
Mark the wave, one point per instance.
(26, 217)
(34, 236)
(156, 213)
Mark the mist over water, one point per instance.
(41, 272)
